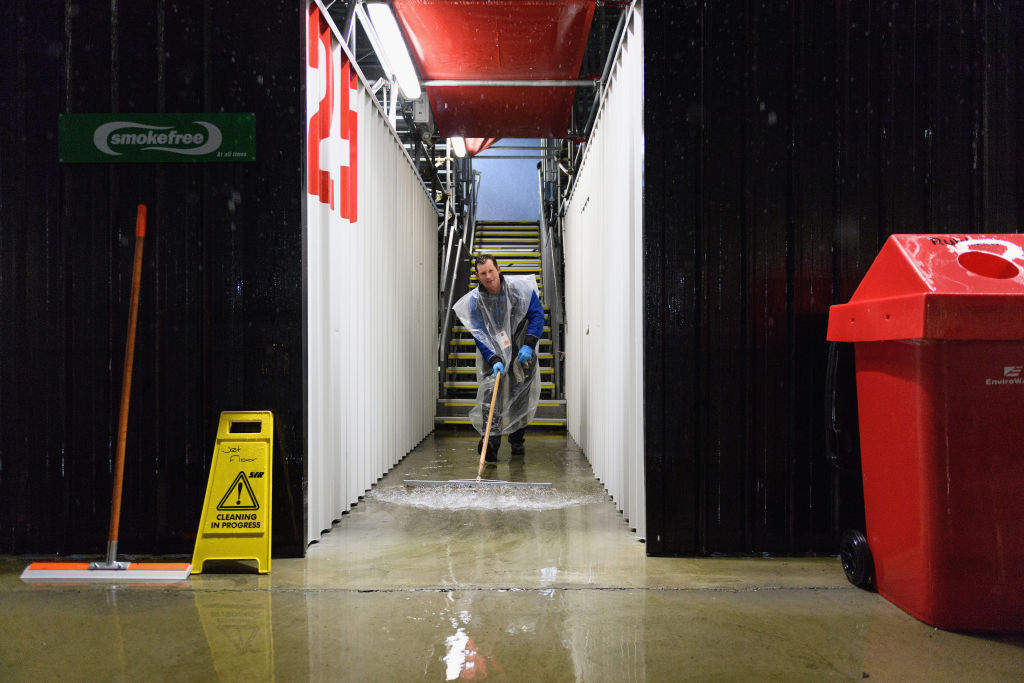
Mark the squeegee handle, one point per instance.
(487, 432)
(126, 381)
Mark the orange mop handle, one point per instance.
(126, 381)
(487, 432)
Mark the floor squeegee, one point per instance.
(111, 569)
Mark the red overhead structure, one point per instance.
(499, 40)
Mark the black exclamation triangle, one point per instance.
(238, 489)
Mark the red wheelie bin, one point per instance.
(938, 331)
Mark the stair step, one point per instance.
(457, 407)
(513, 258)
(459, 329)
(472, 356)
(466, 384)
(537, 422)
(528, 268)
(469, 341)
(509, 262)
(514, 252)
(467, 403)
(471, 370)
(518, 254)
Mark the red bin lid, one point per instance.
(937, 287)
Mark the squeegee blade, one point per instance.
(135, 572)
(477, 483)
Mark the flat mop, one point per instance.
(112, 570)
(480, 482)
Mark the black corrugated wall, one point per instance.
(784, 142)
(220, 322)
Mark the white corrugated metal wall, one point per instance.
(604, 287)
(371, 289)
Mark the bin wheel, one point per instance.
(856, 558)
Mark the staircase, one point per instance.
(516, 247)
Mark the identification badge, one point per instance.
(503, 340)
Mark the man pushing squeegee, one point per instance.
(506, 319)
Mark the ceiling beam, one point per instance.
(512, 84)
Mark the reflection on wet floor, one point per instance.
(522, 585)
(497, 499)
(529, 635)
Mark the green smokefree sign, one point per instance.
(149, 138)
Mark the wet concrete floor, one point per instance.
(519, 585)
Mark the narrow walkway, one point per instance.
(516, 585)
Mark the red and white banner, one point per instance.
(332, 125)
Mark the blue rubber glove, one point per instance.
(499, 367)
(524, 353)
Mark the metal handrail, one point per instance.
(450, 273)
(446, 327)
(475, 194)
(449, 237)
(549, 277)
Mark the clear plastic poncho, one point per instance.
(500, 322)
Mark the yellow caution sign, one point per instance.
(236, 515)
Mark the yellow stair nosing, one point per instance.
(455, 384)
(455, 403)
(469, 342)
(461, 329)
(471, 370)
(471, 356)
(534, 423)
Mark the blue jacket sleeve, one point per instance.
(535, 327)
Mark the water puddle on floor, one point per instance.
(452, 498)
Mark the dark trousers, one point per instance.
(516, 439)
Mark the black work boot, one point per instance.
(517, 440)
(492, 449)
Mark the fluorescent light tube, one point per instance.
(371, 33)
(397, 54)
(458, 146)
